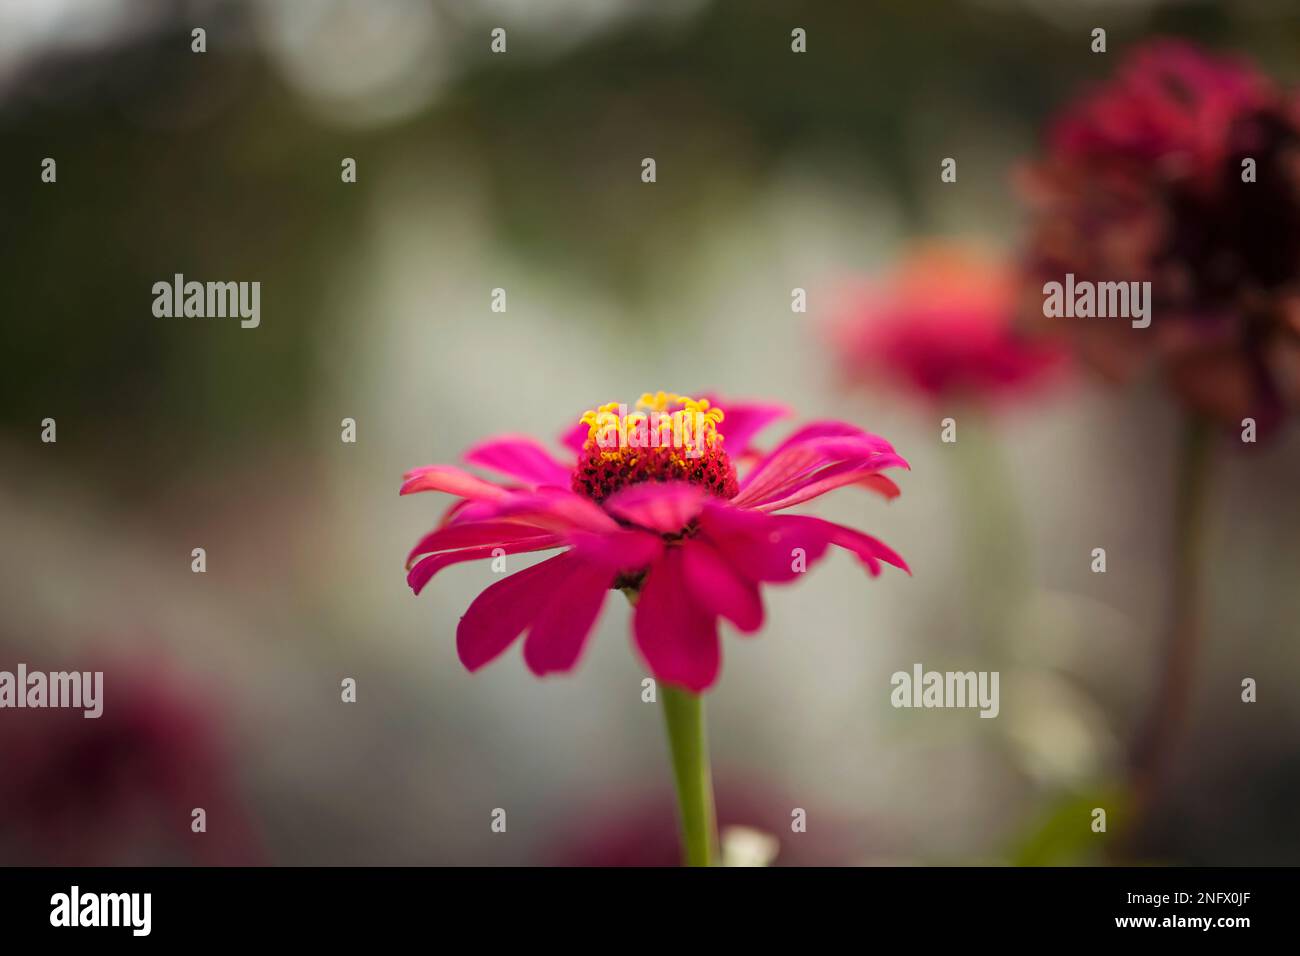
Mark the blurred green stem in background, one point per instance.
(1062, 834)
(993, 534)
(684, 717)
(1164, 723)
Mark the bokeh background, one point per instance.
(522, 171)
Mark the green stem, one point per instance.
(993, 535)
(684, 718)
(1164, 723)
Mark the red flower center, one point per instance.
(676, 439)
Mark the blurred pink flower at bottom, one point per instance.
(120, 788)
(641, 830)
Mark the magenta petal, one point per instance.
(622, 550)
(816, 434)
(427, 567)
(454, 512)
(665, 507)
(501, 613)
(802, 458)
(718, 588)
(454, 481)
(763, 547)
(678, 640)
(802, 465)
(776, 473)
(743, 421)
(575, 437)
(548, 508)
(831, 428)
(560, 630)
(471, 534)
(881, 485)
(520, 457)
(828, 479)
(869, 550)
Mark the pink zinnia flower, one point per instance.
(1142, 180)
(942, 327)
(676, 528)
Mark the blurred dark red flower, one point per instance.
(1146, 179)
(121, 788)
(942, 326)
(640, 829)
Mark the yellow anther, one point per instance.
(696, 420)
